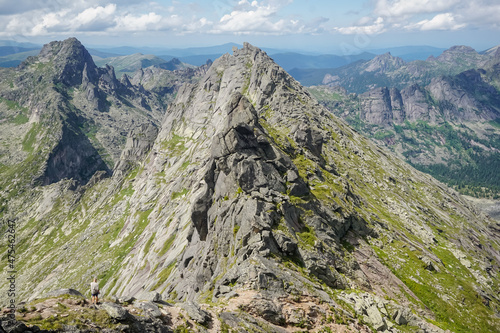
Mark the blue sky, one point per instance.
(316, 26)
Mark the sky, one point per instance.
(316, 26)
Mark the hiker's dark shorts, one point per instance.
(95, 295)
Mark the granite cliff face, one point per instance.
(462, 98)
(255, 203)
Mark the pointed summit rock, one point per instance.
(69, 59)
(384, 63)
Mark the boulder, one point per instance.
(151, 296)
(375, 318)
(399, 318)
(115, 311)
(428, 264)
(148, 308)
(196, 313)
(265, 309)
(13, 326)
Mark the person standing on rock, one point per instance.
(94, 291)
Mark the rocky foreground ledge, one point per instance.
(67, 310)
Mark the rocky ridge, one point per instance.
(131, 63)
(256, 203)
(388, 71)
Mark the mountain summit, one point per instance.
(255, 203)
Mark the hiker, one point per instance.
(94, 290)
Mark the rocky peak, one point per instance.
(69, 58)
(456, 53)
(384, 62)
(460, 49)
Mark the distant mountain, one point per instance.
(13, 60)
(20, 44)
(296, 60)
(100, 54)
(388, 71)
(174, 52)
(314, 76)
(196, 60)
(199, 55)
(131, 63)
(410, 53)
(7, 50)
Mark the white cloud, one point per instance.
(145, 22)
(376, 27)
(263, 18)
(426, 15)
(482, 13)
(95, 13)
(444, 21)
(398, 8)
(198, 25)
(94, 18)
(49, 21)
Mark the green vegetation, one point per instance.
(176, 195)
(166, 246)
(383, 135)
(279, 134)
(236, 229)
(90, 130)
(164, 274)
(325, 94)
(20, 119)
(461, 308)
(175, 146)
(122, 194)
(495, 123)
(12, 105)
(307, 237)
(80, 319)
(147, 246)
(31, 137)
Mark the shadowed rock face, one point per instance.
(253, 197)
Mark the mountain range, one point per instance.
(231, 200)
(386, 70)
(12, 53)
(440, 115)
